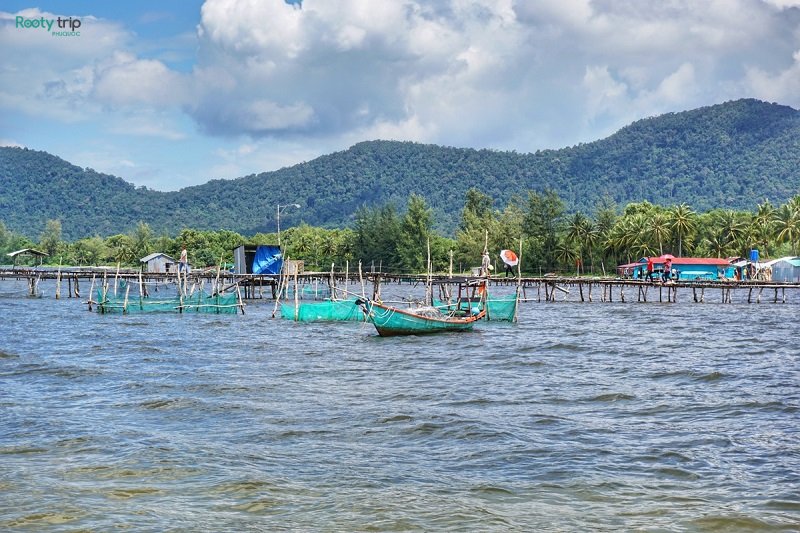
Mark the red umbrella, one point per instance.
(509, 257)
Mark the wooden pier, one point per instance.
(533, 289)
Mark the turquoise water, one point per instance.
(601, 416)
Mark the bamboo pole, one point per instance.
(239, 297)
(281, 284)
(125, 303)
(515, 318)
(332, 283)
(116, 278)
(91, 292)
(141, 291)
(361, 280)
(429, 284)
(296, 298)
(58, 280)
(450, 271)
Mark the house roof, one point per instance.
(794, 261)
(715, 261)
(153, 256)
(677, 261)
(27, 251)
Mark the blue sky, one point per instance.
(172, 94)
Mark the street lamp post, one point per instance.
(280, 210)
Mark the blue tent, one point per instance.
(268, 260)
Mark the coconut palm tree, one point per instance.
(683, 222)
(659, 228)
(732, 230)
(787, 224)
(763, 225)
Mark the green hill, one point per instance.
(731, 155)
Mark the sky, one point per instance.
(173, 94)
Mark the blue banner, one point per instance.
(268, 260)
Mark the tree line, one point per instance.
(731, 156)
(394, 240)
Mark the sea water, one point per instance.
(584, 416)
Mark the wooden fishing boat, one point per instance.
(390, 320)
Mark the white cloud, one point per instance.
(125, 80)
(310, 78)
(780, 87)
(10, 143)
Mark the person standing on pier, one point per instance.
(183, 262)
(486, 263)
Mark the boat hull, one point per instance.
(390, 321)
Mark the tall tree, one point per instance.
(142, 239)
(787, 222)
(51, 237)
(415, 232)
(543, 222)
(682, 222)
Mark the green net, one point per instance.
(199, 302)
(329, 310)
(501, 309)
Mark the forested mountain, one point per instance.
(733, 155)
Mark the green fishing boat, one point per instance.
(390, 320)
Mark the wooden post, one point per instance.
(116, 277)
(450, 271)
(519, 280)
(91, 293)
(332, 284)
(361, 281)
(281, 284)
(58, 281)
(239, 297)
(429, 281)
(141, 291)
(296, 297)
(125, 303)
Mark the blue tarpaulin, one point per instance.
(268, 260)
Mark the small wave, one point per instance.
(21, 450)
(564, 347)
(782, 505)
(711, 376)
(166, 403)
(41, 519)
(242, 487)
(611, 397)
(126, 494)
(6, 355)
(395, 418)
(257, 506)
(733, 523)
(693, 375)
(491, 490)
(677, 473)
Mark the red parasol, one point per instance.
(509, 257)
